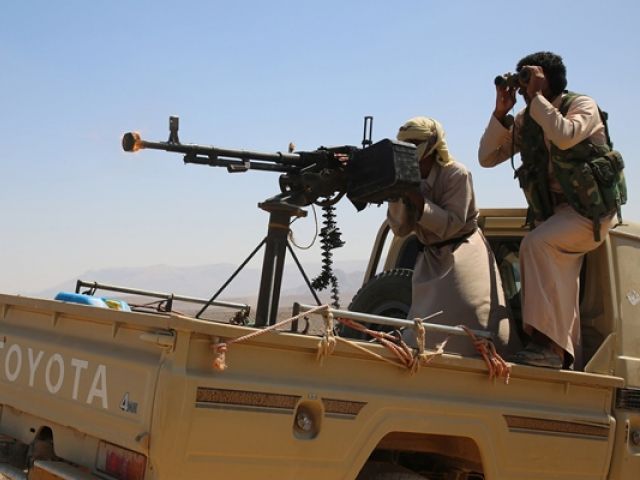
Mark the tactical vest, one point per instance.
(591, 176)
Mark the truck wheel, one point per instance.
(387, 294)
(387, 471)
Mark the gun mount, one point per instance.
(372, 174)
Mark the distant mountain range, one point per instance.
(204, 281)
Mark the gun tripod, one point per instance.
(276, 245)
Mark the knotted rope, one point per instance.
(400, 349)
(423, 357)
(328, 341)
(413, 361)
(406, 356)
(495, 363)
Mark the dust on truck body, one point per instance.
(90, 392)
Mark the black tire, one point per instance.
(386, 471)
(387, 294)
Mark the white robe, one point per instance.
(461, 279)
(551, 254)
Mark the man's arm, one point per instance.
(401, 217)
(449, 218)
(496, 144)
(581, 122)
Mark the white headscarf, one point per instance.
(424, 130)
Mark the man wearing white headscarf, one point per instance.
(455, 270)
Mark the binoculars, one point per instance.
(513, 80)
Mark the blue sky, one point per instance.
(255, 75)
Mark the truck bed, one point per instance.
(145, 382)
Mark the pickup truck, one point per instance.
(89, 392)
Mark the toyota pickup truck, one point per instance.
(89, 392)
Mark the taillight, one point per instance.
(120, 463)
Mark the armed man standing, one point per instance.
(455, 270)
(574, 185)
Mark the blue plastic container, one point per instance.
(92, 301)
(81, 298)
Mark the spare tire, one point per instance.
(387, 294)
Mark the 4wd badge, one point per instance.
(127, 405)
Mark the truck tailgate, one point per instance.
(78, 369)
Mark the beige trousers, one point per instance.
(550, 261)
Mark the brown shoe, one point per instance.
(538, 355)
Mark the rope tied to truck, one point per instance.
(412, 360)
(405, 356)
(220, 348)
(328, 341)
(391, 342)
(497, 366)
(422, 357)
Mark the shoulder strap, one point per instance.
(567, 100)
(604, 116)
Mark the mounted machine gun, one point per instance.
(372, 174)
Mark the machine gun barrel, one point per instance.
(215, 156)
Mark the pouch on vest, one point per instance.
(608, 173)
(537, 194)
